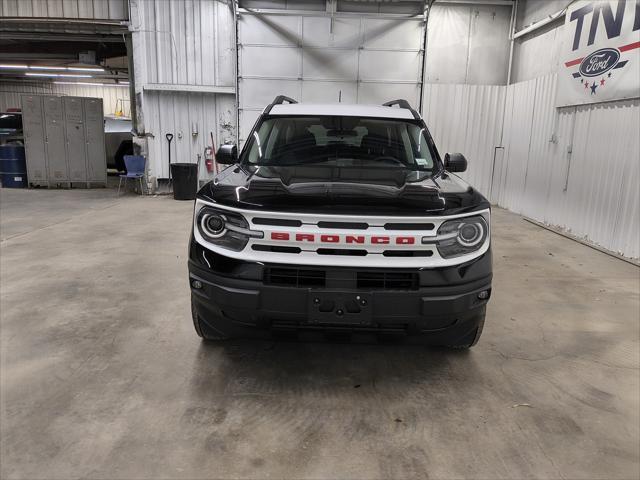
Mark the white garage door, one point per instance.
(320, 57)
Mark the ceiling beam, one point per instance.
(61, 37)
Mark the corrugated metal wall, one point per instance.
(179, 113)
(82, 9)
(573, 168)
(184, 42)
(515, 138)
(113, 98)
(577, 169)
(181, 46)
(466, 119)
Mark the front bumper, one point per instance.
(240, 299)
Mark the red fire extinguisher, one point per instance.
(210, 156)
(208, 159)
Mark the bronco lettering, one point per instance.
(348, 239)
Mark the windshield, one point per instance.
(340, 142)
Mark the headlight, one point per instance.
(224, 229)
(461, 236)
(213, 224)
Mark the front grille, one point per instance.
(409, 226)
(407, 253)
(348, 225)
(366, 279)
(295, 277)
(276, 222)
(275, 248)
(341, 251)
(388, 280)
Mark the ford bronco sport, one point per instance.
(340, 219)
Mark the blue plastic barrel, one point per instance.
(13, 166)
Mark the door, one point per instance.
(55, 140)
(34, 137)
(321, 58)
(94, 134)
(74, 135)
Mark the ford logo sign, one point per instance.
(599, 62)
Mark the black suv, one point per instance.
(340, 219)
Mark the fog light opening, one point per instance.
(196, 284)
(483, 295)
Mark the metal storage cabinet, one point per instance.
(74, 134)
(64, 139)
(94, 134)
(54, 137)
(34, 139)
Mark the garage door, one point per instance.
(326, 57)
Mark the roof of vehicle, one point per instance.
(342, 109)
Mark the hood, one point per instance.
(346, 190)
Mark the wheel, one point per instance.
(472, 338)
(204, 333)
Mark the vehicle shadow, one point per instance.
(279, 368)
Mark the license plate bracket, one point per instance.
(339, 307)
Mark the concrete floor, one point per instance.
(102, 375)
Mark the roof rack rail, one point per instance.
(279, 100)
(402, 103)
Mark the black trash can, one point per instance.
(185, 180)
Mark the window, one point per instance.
(339, 142)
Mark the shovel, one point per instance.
(169, 137)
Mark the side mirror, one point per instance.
(455, 162)
(227, 154)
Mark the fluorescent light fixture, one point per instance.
(85, 69)
(39, 67)
(92, 84)
(15, 67)
(74, 75)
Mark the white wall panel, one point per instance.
(468, 43)
(171, 112)
(190, 42)
(577, 169)
(466, 119)
(275, 62)
(392, 34)
(346, 32)
(390, 66)
(573, 168)
(538, 53)
(330, 64)
(376, 93)
(88, 9)
(603, 187)
(113, 98)
(322, 92)
(183, 44)
(355, 59)
(531, 11)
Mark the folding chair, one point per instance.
(135, 165)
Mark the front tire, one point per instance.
(197, 325)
